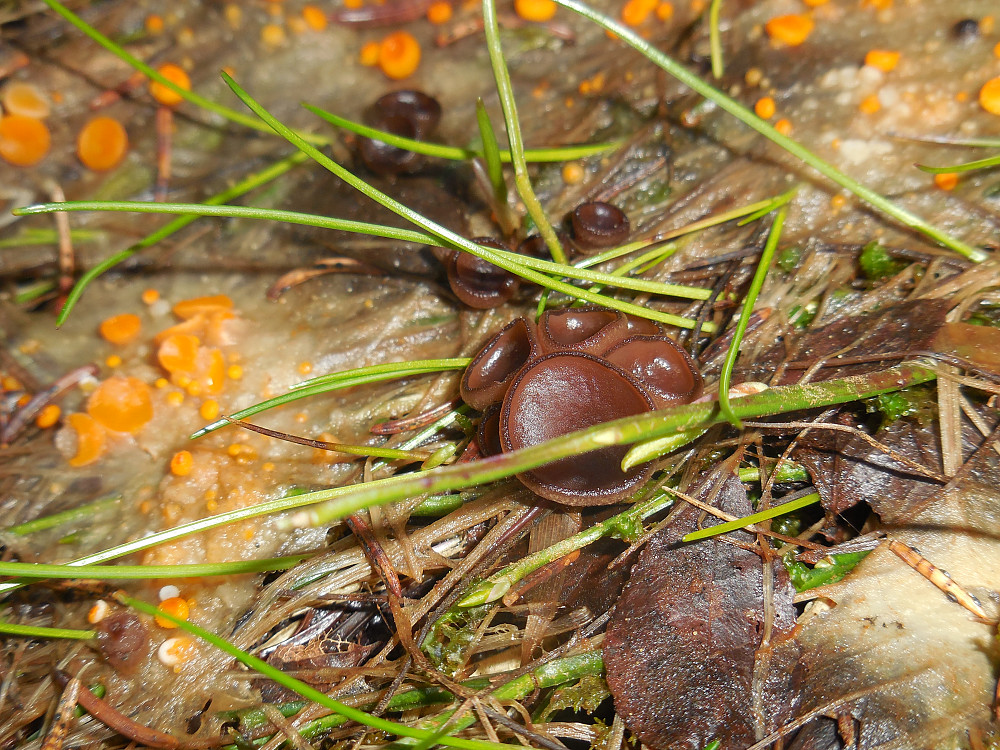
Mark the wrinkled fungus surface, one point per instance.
(571, 371)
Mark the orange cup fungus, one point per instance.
(121, 404)
(26, 100)
(399, 55)
(101, 144)
(176, 75)
(120, 329)
(792, 29)
(989, 96)
(535, 10)
(178, 352)
(175, 606)
(188, 308)
(89, 439)
(24, 141)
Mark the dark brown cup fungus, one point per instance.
(583, 329)
(579, 367)
(491, 372)
(479, 283)
(411, 114)
(535, 247)
(563, 392)
(666, 370)
(597, 225)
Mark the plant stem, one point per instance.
(509, 105)
(747, 117)
(55, 519)
(714, 39)
(763, 266)
(36, 631)
(145, 572)
(764, 515)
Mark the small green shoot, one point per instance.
(715, 39)
(829, 570)
(969, 166)
(763, 266)
(506, 91)
(491, 153)
(764, 515)
(65, 516)
(744, 115)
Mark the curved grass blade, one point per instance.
(145, 572)
(763, 266)
(491, 153)
(243, 186)
(715, 39)
(375, 230)
(509, 106)
(969, 166)
(57, 519)
(337, 381)
(447, 236)
(764, 515)
(744, 115)
(199, 101)
(306, 691)
(454, 153)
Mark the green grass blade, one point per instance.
(57, 519)
(744, 115)
(34, 631)
(507, 102)
(491, 153)
(454, 153)
(764, 515)
(146, 572)
(992, 161)
(243, 186)
(763, 266)
(715, 39)
(337, 381)
(307, 691)
(449, 238)
(374, 230)
(207, 104)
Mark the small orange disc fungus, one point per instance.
(178, 352)
(188, 308)
(176, 75)
(399, 55)
(535, 10)
(175, 606)
(26, 100)
(89, 439)
(24, 141)
(122, 404)
(792, 29)
(120, 329)
(102, 144)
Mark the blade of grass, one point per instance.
(243, 186)
(447, 236)
(339, 380)
(763, 266)
(742, 523)
(145, 572)
(747, 117)
(454, 153)
(992, 161)
(715, 39)
(56, 519)
(47, 237)
(199, 101)
(509, 106)
(374, 230)
(306, 691)
(491, 153)
(35, 631)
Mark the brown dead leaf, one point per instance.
(683, 649)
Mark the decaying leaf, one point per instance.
(684, 655)
(913, 667)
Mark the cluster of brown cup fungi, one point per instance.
(576, 368)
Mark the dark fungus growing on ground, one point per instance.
(407, 113)
(597, 226)
(576, 368)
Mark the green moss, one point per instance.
(876, 262)
(789, 258)
(917, 402)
